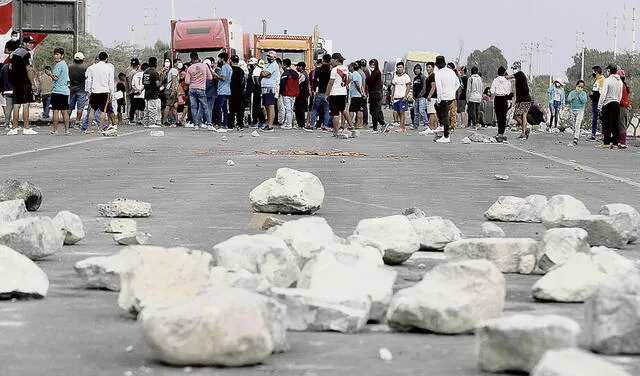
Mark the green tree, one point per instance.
(43, 55)
(488, 62)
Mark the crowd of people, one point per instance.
(215, 94)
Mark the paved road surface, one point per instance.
(74, 331)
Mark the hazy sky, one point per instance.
(385, 29)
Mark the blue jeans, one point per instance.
(199, 107)
(320, 101)
(96, 119)
(594, 119)
(222, 110)
(554, 110)
(420, 112)
(46, 105)
(288, 109)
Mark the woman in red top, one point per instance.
(625, 105)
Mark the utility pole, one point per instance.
(581, 48)
(133, 33)
(173, 10)
(633, 30)
(615, 37)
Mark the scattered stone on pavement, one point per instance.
(627, 218)
(516, 209)
(395, 235)
(290, 192)
(517, 343)
(119, 226)
(491, 230)
(223, 327)
(414, 213)
(261, 254)
(452, 298)
(575, 362)
(271, 222)
(558, 245)
(125, 208)
(306, 237)
(231, 163)
(71, 225)
(132, 238)
(34, 237)
(501, 177)
(20, 277)
(506, 253)
(240, 278)
(12, 210)
(385, 355)
(603, 230)
(13, 189)
(103, 272)
(317, 310)
(465, 141)
(561, 207)
(612, 315)
(435, 232)
(156, 133)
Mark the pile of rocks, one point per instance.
(125, 231)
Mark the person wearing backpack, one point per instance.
(290, 86)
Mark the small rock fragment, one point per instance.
(231, 163)
(501, 177)
(132, 238)
(156, 133)
(255, 134)
(385, 354)
(118, 226)
(491, 230)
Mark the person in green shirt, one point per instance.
(577, 100)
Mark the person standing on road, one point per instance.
(475, 87)
(22, 76)
(12, 44)
(609, 107)
(365, 73)
(432, 95)
(501, 92)
(400, 94)
(447, 85)
(236, 99)
(523, 99)
(100, 85)
(625, 106)
(121, 90)
(356, 93)
(131, 71)
(196, 78)
(77, 93)
(6, 90)
(320, 82)
(269, 84)
(337, 91)
(555, 95)
(302, 100)
(289, 89)
(419, 98)
(595, 98)
(171, 94)
(224, 89)
(577, 100)
(60, 91)
(45, 85)
(453, 107)
(462, 98)
(152, 81)
(137, 93)
(376, 95)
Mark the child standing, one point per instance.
(577, 99)
(121, 89)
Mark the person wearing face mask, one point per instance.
(12, 44)
(555, 95)
(269, 85)
(399, 94)
(609, 107)
(595, 98)
(374, 89)
(577, 99)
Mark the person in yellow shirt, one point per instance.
(45, 88)
(595, 97)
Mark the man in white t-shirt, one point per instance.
(337, 88)
(400, 94)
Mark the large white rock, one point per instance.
(611, 262)
(223, 327)
(612, 315)
(505, 253)
(435, 232)
(103, 272)
(263, 254)
(221, 276)
(125, 208)
(574, 362)
(515, 209)
(603, 230)
(12, 210)
(119, 226)
(14, 189)
(395, 235)
(20, 277)
(626, 216)
(491, 230)
(314, 310)
(517, 343)
(451, 298)
(561, 207)
(333, 271)
(305, 237)
(162, 274)
(34, 237)
(290, 192)
(71, 225)
(558, 245)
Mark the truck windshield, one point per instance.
(199, 30)
(294, 56)
(185, 55)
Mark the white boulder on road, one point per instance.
(290, 192)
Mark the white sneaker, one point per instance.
(189, 125)
(440, 129)
(287, 127)
(444, 140)
(221, 130)
(211, 128)
(427, 132)
(152, 126)
(28, 131)
(12, 132)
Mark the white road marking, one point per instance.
(365, 204)
(11, 324)
(574, 164)
(86, 141)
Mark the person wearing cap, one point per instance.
(577, 100)
(447, 85)
(269, 85)
(337, 90)
(23, 77)
(556, 97)
(77, 80)
(321, 79)
(100, 85)
(523, 101)
(131, 71)
(301, 104)
(12, 44)
(609, 107)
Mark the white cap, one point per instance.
(253, 61)
(78, 56)
(207, 61)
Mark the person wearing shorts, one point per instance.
(357, 93)
(268, 84)
(337, 89)
(100, 85)
(400, 94)
(432, 94)
(523, 99)
(60, 91)
(23, 78)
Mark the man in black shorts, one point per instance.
(523, 99)
(22, 76)
(100, 84)
(60, 91)
(337, 92)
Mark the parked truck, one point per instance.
(295, 47)
(208, 37)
